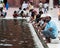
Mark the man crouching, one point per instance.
(50, 30)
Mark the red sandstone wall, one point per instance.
(11, 2)
(14, 3)
(17, 3)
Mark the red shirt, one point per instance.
(15, 15)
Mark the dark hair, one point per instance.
(21, 13)
(32, 14)
(31, 3)
(31, 10)
(40, 12)
(49, 17)
(20, 8)
(15, 12)
(1, 9)
(24, 9)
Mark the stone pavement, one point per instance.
(10, 12)
(54, 15)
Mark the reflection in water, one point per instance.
(5, 44)
(15, 35)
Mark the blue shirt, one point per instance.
(52, 25)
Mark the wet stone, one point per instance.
(14, 40)
(11, 34)
(15, 35)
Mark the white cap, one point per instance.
(43, 15)
(48, 15)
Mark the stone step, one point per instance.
(50, 45)
(55, 41)
(59, 36)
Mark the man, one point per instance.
(50, 30)
(24, 5)
(3, 13)
(40, 6)
(45, 7)
(1, 5)
(19, 11)
(31, 6)
(15, 15)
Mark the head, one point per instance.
(31, 10)
(22, 13)
(48, 18)
(43, 18)
(35, 12)
(31, 3)
(41, 12)
(1, 9)
(19, 8)
(24, 9)
(15, 12)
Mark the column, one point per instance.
(51, 8)
(50, 4)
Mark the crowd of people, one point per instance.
(28, 8)
(39, 20)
